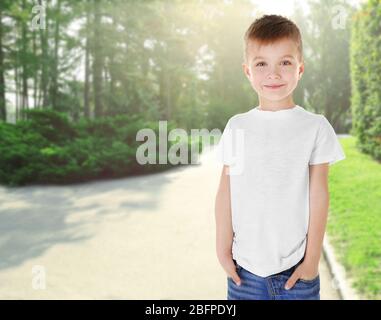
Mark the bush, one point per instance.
(52, 125)
(47, 148)
(366, 78)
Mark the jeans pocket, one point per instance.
(316, 279)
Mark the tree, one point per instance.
(3, 115)
(98, 59)
(326, 81)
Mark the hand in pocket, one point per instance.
(232, 272)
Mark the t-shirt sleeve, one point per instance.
(224, 148)
(327, 146)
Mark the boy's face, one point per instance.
(274, 71)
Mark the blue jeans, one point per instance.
(254, 287)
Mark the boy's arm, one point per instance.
(224, 228)
(319, 204)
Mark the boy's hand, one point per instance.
(230, 268)
(303, 271)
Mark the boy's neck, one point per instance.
(268, 105)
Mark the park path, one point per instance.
(147, 237)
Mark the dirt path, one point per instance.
(148, 237)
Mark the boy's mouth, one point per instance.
(274, 86)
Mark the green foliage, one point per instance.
(325, 86)
(354, 225)
(46, 148)
(52, 125)
(366, 78)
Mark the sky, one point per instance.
(283, 7)
(286, 7)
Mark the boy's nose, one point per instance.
(273, 75)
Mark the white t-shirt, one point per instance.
(269, 153)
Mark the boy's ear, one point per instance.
(246, 70)
(301, 70)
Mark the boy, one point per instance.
(272, 202)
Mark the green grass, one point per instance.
(354, 221)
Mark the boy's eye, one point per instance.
(261, 64)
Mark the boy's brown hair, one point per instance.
(271, 28)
